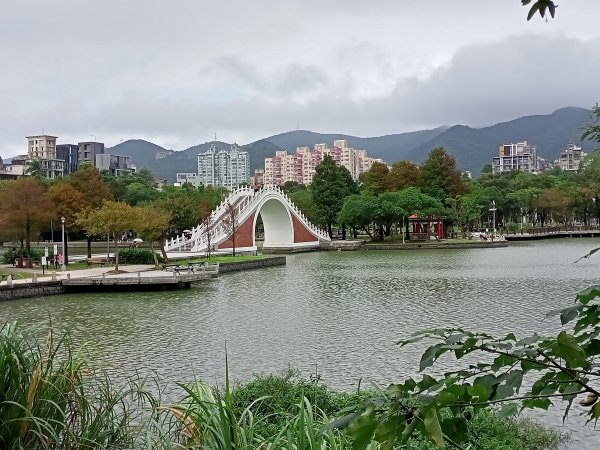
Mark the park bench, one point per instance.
(99, 261)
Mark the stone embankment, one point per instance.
(254, 264)
(362, 245)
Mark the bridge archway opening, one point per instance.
(277, 223)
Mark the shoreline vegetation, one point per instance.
(55, 396)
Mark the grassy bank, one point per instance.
(54, 397)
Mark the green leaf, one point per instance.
(542, 403)
(456, 428)
(527, 365)
(430, 355)
(533, 10)
(388, 431)
(342, 422)
(433, 428)
(426, 382)
(362, 430)
(501, 361)
(479, 392)
(567, 348)
(525, 2)
(595, 410)
(510, 409)
(592, 348)
(589, 294)
(569, 314)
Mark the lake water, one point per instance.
(336, 312)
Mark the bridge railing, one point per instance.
(243, 200)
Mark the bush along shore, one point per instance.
(53, 396)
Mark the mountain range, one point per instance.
(472, 147)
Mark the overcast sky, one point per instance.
(176, 72)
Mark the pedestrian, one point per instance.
(13, 256)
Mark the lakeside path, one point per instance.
(80, 273)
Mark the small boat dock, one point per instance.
(167, 279)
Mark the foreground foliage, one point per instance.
(53, 398)
(562, 368)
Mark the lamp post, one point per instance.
(63, 267)
(493, 210)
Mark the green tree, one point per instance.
(114, 218)
(304, 200)
(331, 185)
(376, 179)
(152, 224)
(592, 130)
(358, 211)
(35, 169)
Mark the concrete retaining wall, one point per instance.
(429, 245)
(256, 264)
(38, 289)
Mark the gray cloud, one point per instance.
(176, 73)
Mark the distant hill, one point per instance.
(472, 147)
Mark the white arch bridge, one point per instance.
(285, 226)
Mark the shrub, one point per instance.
(137, 256)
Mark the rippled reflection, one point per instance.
(341, 311)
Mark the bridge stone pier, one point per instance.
(285, 226)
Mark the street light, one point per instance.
(63, 267)
(493, 210)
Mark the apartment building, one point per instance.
(115, 164)
(570, 158)
(520, 156)
(300, 167)
(41, 147)
(226, 168)
(69, 153)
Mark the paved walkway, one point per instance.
(83, 273)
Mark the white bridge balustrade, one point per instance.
(285, 225)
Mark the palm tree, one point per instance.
(35, 168)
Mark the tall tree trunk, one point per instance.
(162, 249)
(89, 246)
(343, 231)
(407, 230)
(28, 238)
(329, 230)
(153, 253)
(66, 255)
(116, 253)
(354, 232)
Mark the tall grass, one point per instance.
(51, 398)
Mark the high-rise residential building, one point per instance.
(570, 158)
(43, 149)
(69, 153)
(520, 156)
(226, 168)
(300, 167)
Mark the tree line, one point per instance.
(96, 203)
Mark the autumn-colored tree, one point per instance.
(68, 202)
(404, 174)
(152, 224)
(113, 218)
(441, 178)
(88, 181)
(25, 208)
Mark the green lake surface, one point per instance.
(336, 312)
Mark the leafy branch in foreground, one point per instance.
(560, 368)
